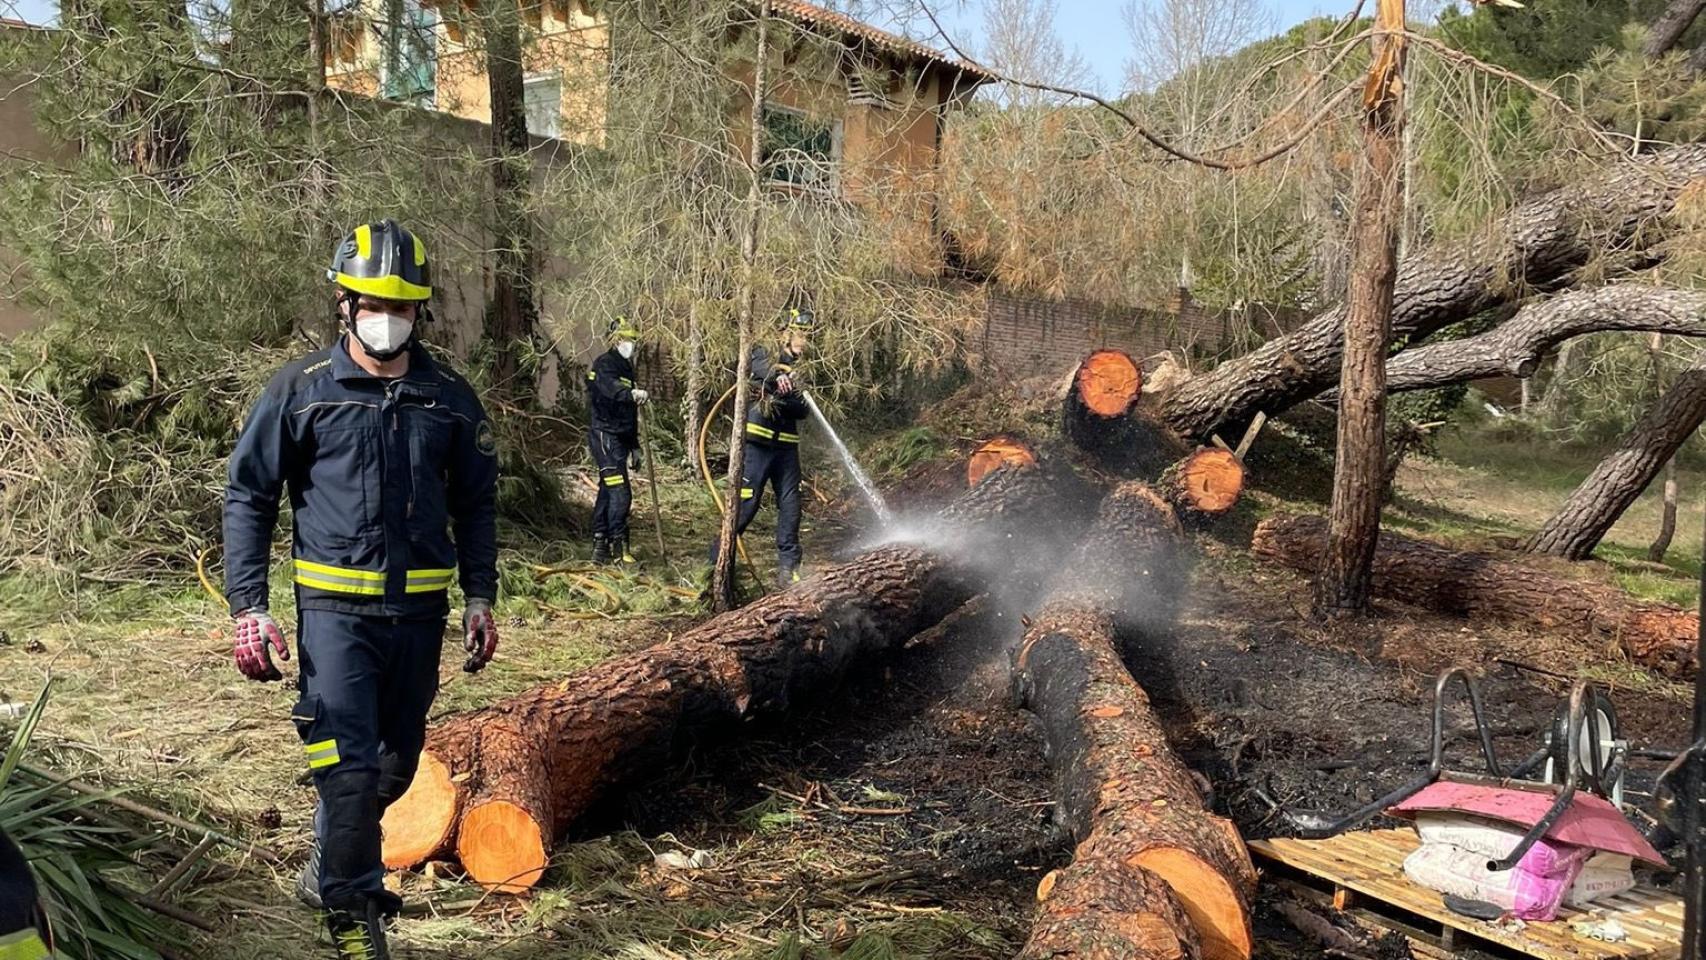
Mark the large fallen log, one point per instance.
(1149, 853)
(499, 785)
(1515, 347)
(1657, 635)
(1538, 243)
(1591, 510)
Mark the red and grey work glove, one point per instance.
(256, 631)
(479, 633)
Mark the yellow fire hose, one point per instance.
(711, 484)
(201, 574)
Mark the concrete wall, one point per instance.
(21, 139)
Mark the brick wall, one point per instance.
(1024, 337)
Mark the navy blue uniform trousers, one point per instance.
(615, 497)
(779, 466)
(367, 684)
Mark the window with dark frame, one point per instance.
(800, 150)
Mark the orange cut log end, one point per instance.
(1213, 904)
(997, 453)
(1108, 383)
(418, 824)
(502, 847)
(1211, 480)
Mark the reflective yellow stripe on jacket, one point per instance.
(367, 583)
(23, 945)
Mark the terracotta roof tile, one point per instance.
(811, 14)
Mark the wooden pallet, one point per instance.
(1364, 875)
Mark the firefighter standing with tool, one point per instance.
(384, 452)
(613, 433)
(773, 441)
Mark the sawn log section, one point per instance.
(1473, 584)
(1155, 875)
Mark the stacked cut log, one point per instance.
(1104, 415)
(997, 452)
(498, 786)
(1656, 635)
(1155, 875)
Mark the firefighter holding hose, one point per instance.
(772, 440)
(391, 468)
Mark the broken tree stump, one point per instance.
(1136, 811)
(501, 784)
(1656, 635)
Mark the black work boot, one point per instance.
(787, 576)
(308, 881)
(600, 548)
(358, 936)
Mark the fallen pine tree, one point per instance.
(1155, 875)
(1595, 505)
(498, 786)
(1656, 635)
(1540, 243)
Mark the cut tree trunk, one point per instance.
(1594, 506)
(1204, 485)
(1656, 635)
(1002, 451)
(1516, 347)
(1148, 850)
(1359, 463)
(1104, 416)
(1539, 243)
(501, 784)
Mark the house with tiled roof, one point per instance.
(854, 111)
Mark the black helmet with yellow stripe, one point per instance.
(382, 260)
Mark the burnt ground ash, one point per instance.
(1271, 706)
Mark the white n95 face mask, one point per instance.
(626, 349)
(384, 335)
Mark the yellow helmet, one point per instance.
(382, 260)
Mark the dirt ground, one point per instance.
(908, 815)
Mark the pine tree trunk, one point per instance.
(1670, 26)
(722, 575)
(1360, 464)
(513, 316)
(1594, 506)
(1667, 521)
(695, 380)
